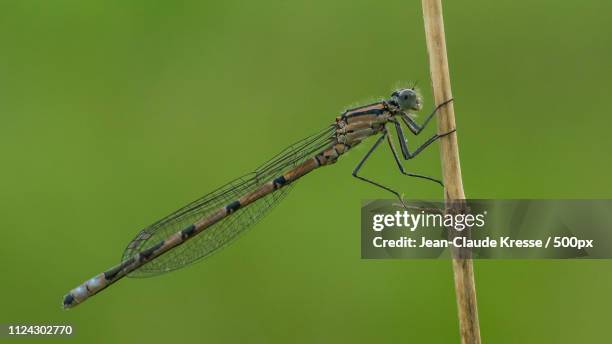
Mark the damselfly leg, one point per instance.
(365, 158)
(401, 166)
(404, 142)
(414, 127)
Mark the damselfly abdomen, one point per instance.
(202, 227)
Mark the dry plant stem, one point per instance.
(463, 270)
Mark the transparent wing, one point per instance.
(224, 231)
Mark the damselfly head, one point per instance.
(407, 99)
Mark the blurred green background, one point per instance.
(114, 113)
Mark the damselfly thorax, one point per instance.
(211, 222)
(354, 126)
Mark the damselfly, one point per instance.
(202, 227)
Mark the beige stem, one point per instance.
(463, 269)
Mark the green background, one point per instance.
(114, 113)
